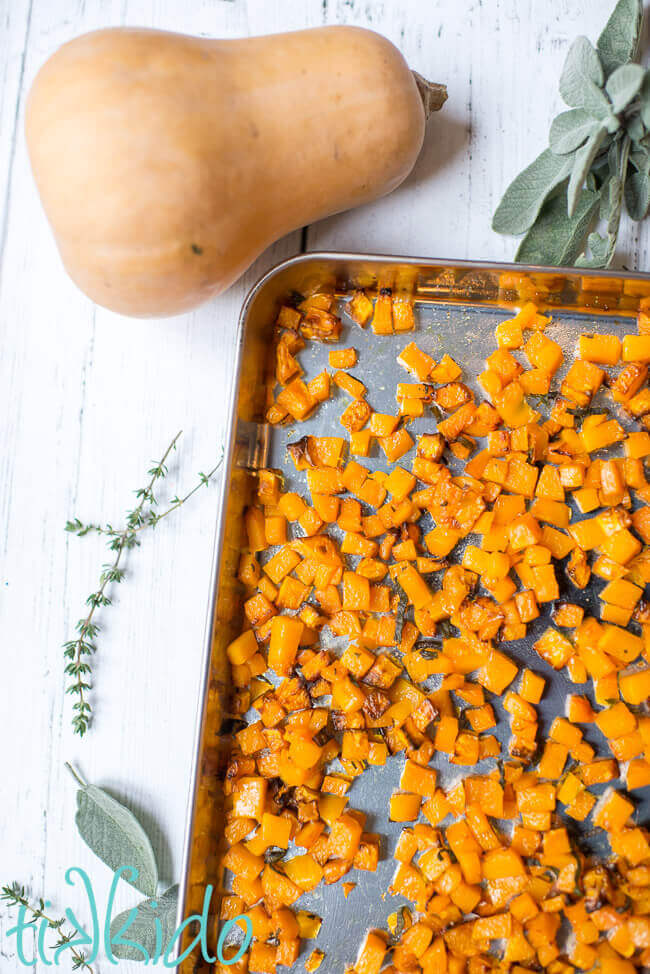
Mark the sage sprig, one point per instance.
(598, 157)
(116, 837)
(77, 651)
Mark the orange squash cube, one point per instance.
(404, 807)
(612, 811)
(543, 352)
(371, 954)
(249, 798)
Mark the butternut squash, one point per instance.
(467, 883)
(167, 163)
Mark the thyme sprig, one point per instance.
(120, 540)
(16, 895)
(151, 519)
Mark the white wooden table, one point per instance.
(87, 399)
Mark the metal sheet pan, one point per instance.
(458, 305)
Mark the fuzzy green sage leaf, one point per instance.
(115, 836)
(619, 40)
(611, 196)
(583, 161)
(601, 249)
(618, 158)
(635, 128)
(582, 68)
(596, 102)
(556, 238)
(569, 130)
(623, 85)
(142, 930)
(637, 195)
(640, 159)
(528, 192)
(645, 101)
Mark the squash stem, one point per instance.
(432, 94)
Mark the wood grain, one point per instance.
(88, 398)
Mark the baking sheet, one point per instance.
(457, 308)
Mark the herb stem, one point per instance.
(204, 479)
(86, 626)
(75, 774)
(141, 517)
(79, 685)
(16, 895)
(152, 518)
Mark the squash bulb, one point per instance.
(167, 163)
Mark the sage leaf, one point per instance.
(623, 85)
(612, 189)
(584, 158)
(115, 835)
(605, 202)
(601, 248)
(556, 238)
(613, 158)
(645, 101)
(143, 929)
(611, 195)
(527, 193)
(602, 251)
(596, 102)
(619, 40)
(635, 128)
(569, 130)
(640, 159)
(581, 68)
(637, 194)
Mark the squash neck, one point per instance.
(432, 94)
